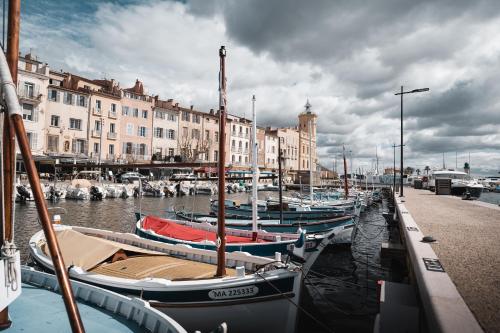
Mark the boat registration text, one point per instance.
(233, 292)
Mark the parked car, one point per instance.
(129, 177)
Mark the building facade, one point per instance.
(136, 124)
(165, 130)
(307, 135)
(32, 82)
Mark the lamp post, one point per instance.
(403, 93)
(394, 146)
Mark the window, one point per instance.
(158, 132)
(29, 89)
(113, 108)
(216, 155)
(130, 129)
(82, 100)
(195, 134)
(32, 139)
(52, 143)
(125, 111)
(171, 152)
(68, 98)
(239, 159)
(53, 95)
(87, 87)
(159, 115)
(98, 105)
(207, 135)
(141, 131)
(128, 148)
(185, 116)
(233, 158)
(233, 144)
(112, 127)
(79, 146)
(171, 117)
(75, 123)
(234, 128)
(246, 159)
(111, 149)
(184, 132)
(216, 136)
(145, 114)
(28, 112)
(241, 129)
(171, 134)
(135, 113)
(96, 147)
(196, 118)
(142, 149)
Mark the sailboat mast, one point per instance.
(255, 169)
(14, 121)
(346, 186)
(280, 182)
(221, 232)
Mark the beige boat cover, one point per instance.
(87, 251)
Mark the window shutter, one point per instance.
(58, 96)
(35, 115)
(34, 140)
(73, 146)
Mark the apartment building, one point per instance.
(136, 124)
(211, 137)
(307, 130)
(33, 79)
(270, 150)
(66, 117)
(261, 147)
(165, 130)
(239, 152)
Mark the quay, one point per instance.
(457, 277)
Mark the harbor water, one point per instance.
(341, 291)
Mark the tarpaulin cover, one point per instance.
(87, 251)
(171, 229)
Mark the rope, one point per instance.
(324, 326)
(9, 250)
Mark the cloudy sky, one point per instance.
(347, 57)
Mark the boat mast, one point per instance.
(280, 182)
(14, 123)
(255, 170)
(311, 194)
(221, 233)
(346, 187)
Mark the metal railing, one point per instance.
(112, 135)
(96, 133)
(112, 114)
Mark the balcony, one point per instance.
(112, 135)
(96, 111)
(112, 114)
(235, 149)
(96, 133)
(31, 94)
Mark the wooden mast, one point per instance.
(346, 187)
(8, 140)
(14, 127)
(221, 232)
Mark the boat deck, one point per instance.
(468, 245)
(41, 310)
(170, 268)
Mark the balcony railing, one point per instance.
(29, 94)
(96, 111)
(96, 133)
(112, 114)
(112, 135)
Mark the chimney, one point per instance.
(191, 107)
(211, 111)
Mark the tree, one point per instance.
(427, 169)
(408, 170)
(418, 172)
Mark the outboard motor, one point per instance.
(95, 194)
(22, 193)
(136, 192)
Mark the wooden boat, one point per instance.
(39, 308)
(178, 279)
(272, 211)
(203, 236)
(287, 226)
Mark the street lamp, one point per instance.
(403, 93)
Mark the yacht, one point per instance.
(461, 182)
